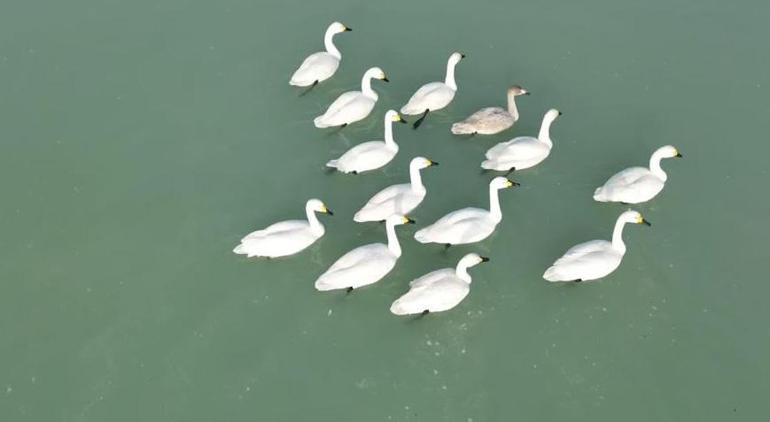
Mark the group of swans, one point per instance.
(442, 289)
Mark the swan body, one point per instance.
(366, 264)
(491, 120)
(439, 290)
(637, 184)
(435, 95)
(594, 259)
(352, 106)
(467, 225)
(397, 199)
(524, 151)
(287, 237)
(370, 155)
(322, 65)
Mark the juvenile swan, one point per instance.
(594, 259)
(287, 237)
(523, 151)
(397, 199)
(440, 290)
(370, 155)
(491, 120)
(352, 106)
(637, 184)
(434, 95)
(320, 66)
(467, 225)
(366, 264)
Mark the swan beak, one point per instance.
(401, 119)
(462, 55)
(484, 259)
(527, 93)
(432, 163)
(385, 79)
(511, 183)
(328, 211)
(408, 220)
(678, 155)
(560, 113)
(645, 222)
(348, 29)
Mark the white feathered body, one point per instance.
(632, 186)
(437, 291)
(280, 239)
(360, 267)
(316, 67)
(364, 157)
(520, 152)
(349, 107)
(393, 200)
(431, 96)
(487, 121)
(467, 225)
(587, 261)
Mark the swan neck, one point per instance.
(494, 204)
(545, 132)
(450, 75)
(329, 44)
(655, 167)
(366, 86)
(312, 218)
(462, 272)
(416, 178)
(617, 236)
(393, 245)
(389, 141)
(512, 110)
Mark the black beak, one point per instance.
(328, 211)
(484, 259)
(527, 93)
(348, 29)
(560, 113)
(434, 163)
(402, 120)
(409, 221)
(386, 79)
(645, 222)
(462, 55)
(679, 155)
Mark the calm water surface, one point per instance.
(141, 139)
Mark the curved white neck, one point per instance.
(450, 75)
(366, 87)
(315, 225)
(329, 44)
(462, 272)
(393, 245)
(617, 236)
(389, 141)
(655, 165)
(545, 132)
(512, 110)
(416, 178)
(494, 204)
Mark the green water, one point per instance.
(141, 139)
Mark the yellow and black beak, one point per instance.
(327, 211)
(484, 259)
(645, 222)
(408, 220)
(348, 29)
(462, 55)
(401, 119)
(432, 163)
(678, 155)
(511, 183)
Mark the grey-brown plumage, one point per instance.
(491, 120)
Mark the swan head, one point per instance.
(552, 114)
(376, 73)
(337, 27)
(318, 206)
(502, 183)
(517, 90)
(471, 260)
(397, 220)
(633, 217)
(669, 151)
(393, 116)
(455, 58)
(422, 162)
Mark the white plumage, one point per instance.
(366, 264)
(491, 120)
(352, 106)
(439, 290)
(594, 259)
(370, 155)
(397, 199)
(322, 65)
(435, 95)
(287, 237)
(467, 225)
(637, 184)
(524, 151)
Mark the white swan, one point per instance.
(439, 290)
(491, 120)
(366, 264)
(467, 225)
(397, 199)
(594, 259)
(523, 151)
(434, 95)
(637, 184)
(287, 237)
(352, 106)
(370, 155)
(320, 66)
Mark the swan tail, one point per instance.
(398, 308)
(332, 163)
(462, 128)
(552, 274)
(319, 122)
(599, 195)
(422, 236)
(240, 249)
(490, 164)
(323, 286)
